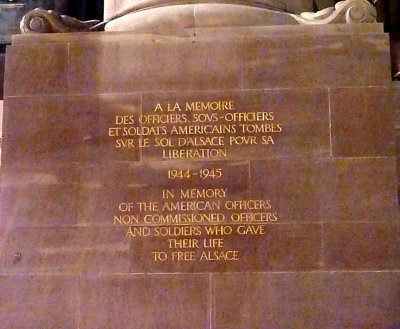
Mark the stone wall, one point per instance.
(93, 156)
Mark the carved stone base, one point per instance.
(152, 15)
(234, 13)
(116, 8)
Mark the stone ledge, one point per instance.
(220, 32)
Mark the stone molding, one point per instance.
(48, 21)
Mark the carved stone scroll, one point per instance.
(48, 21)
(349, 11)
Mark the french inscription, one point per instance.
(195, 130)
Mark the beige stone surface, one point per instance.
(30, 301)
(331, 258)
(307, 300)
(296, 6)
(154, 65)
(52, 75)
(171, 307)
(201, 33)
(131, 62)
(213, 15)
(198, 16)
(373, 135)
(156, 19)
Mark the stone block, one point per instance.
(45, 196)
(47, 301)
(312, 300)
(154, 65)
(176, 301)
(309, 61)
(363, 121)
(42, 251)
(361, 189)
(65, 129)
(32, 70)
(362, 246)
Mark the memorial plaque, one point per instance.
(207, 182)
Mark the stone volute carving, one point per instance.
(49, 21)
(348, 11)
